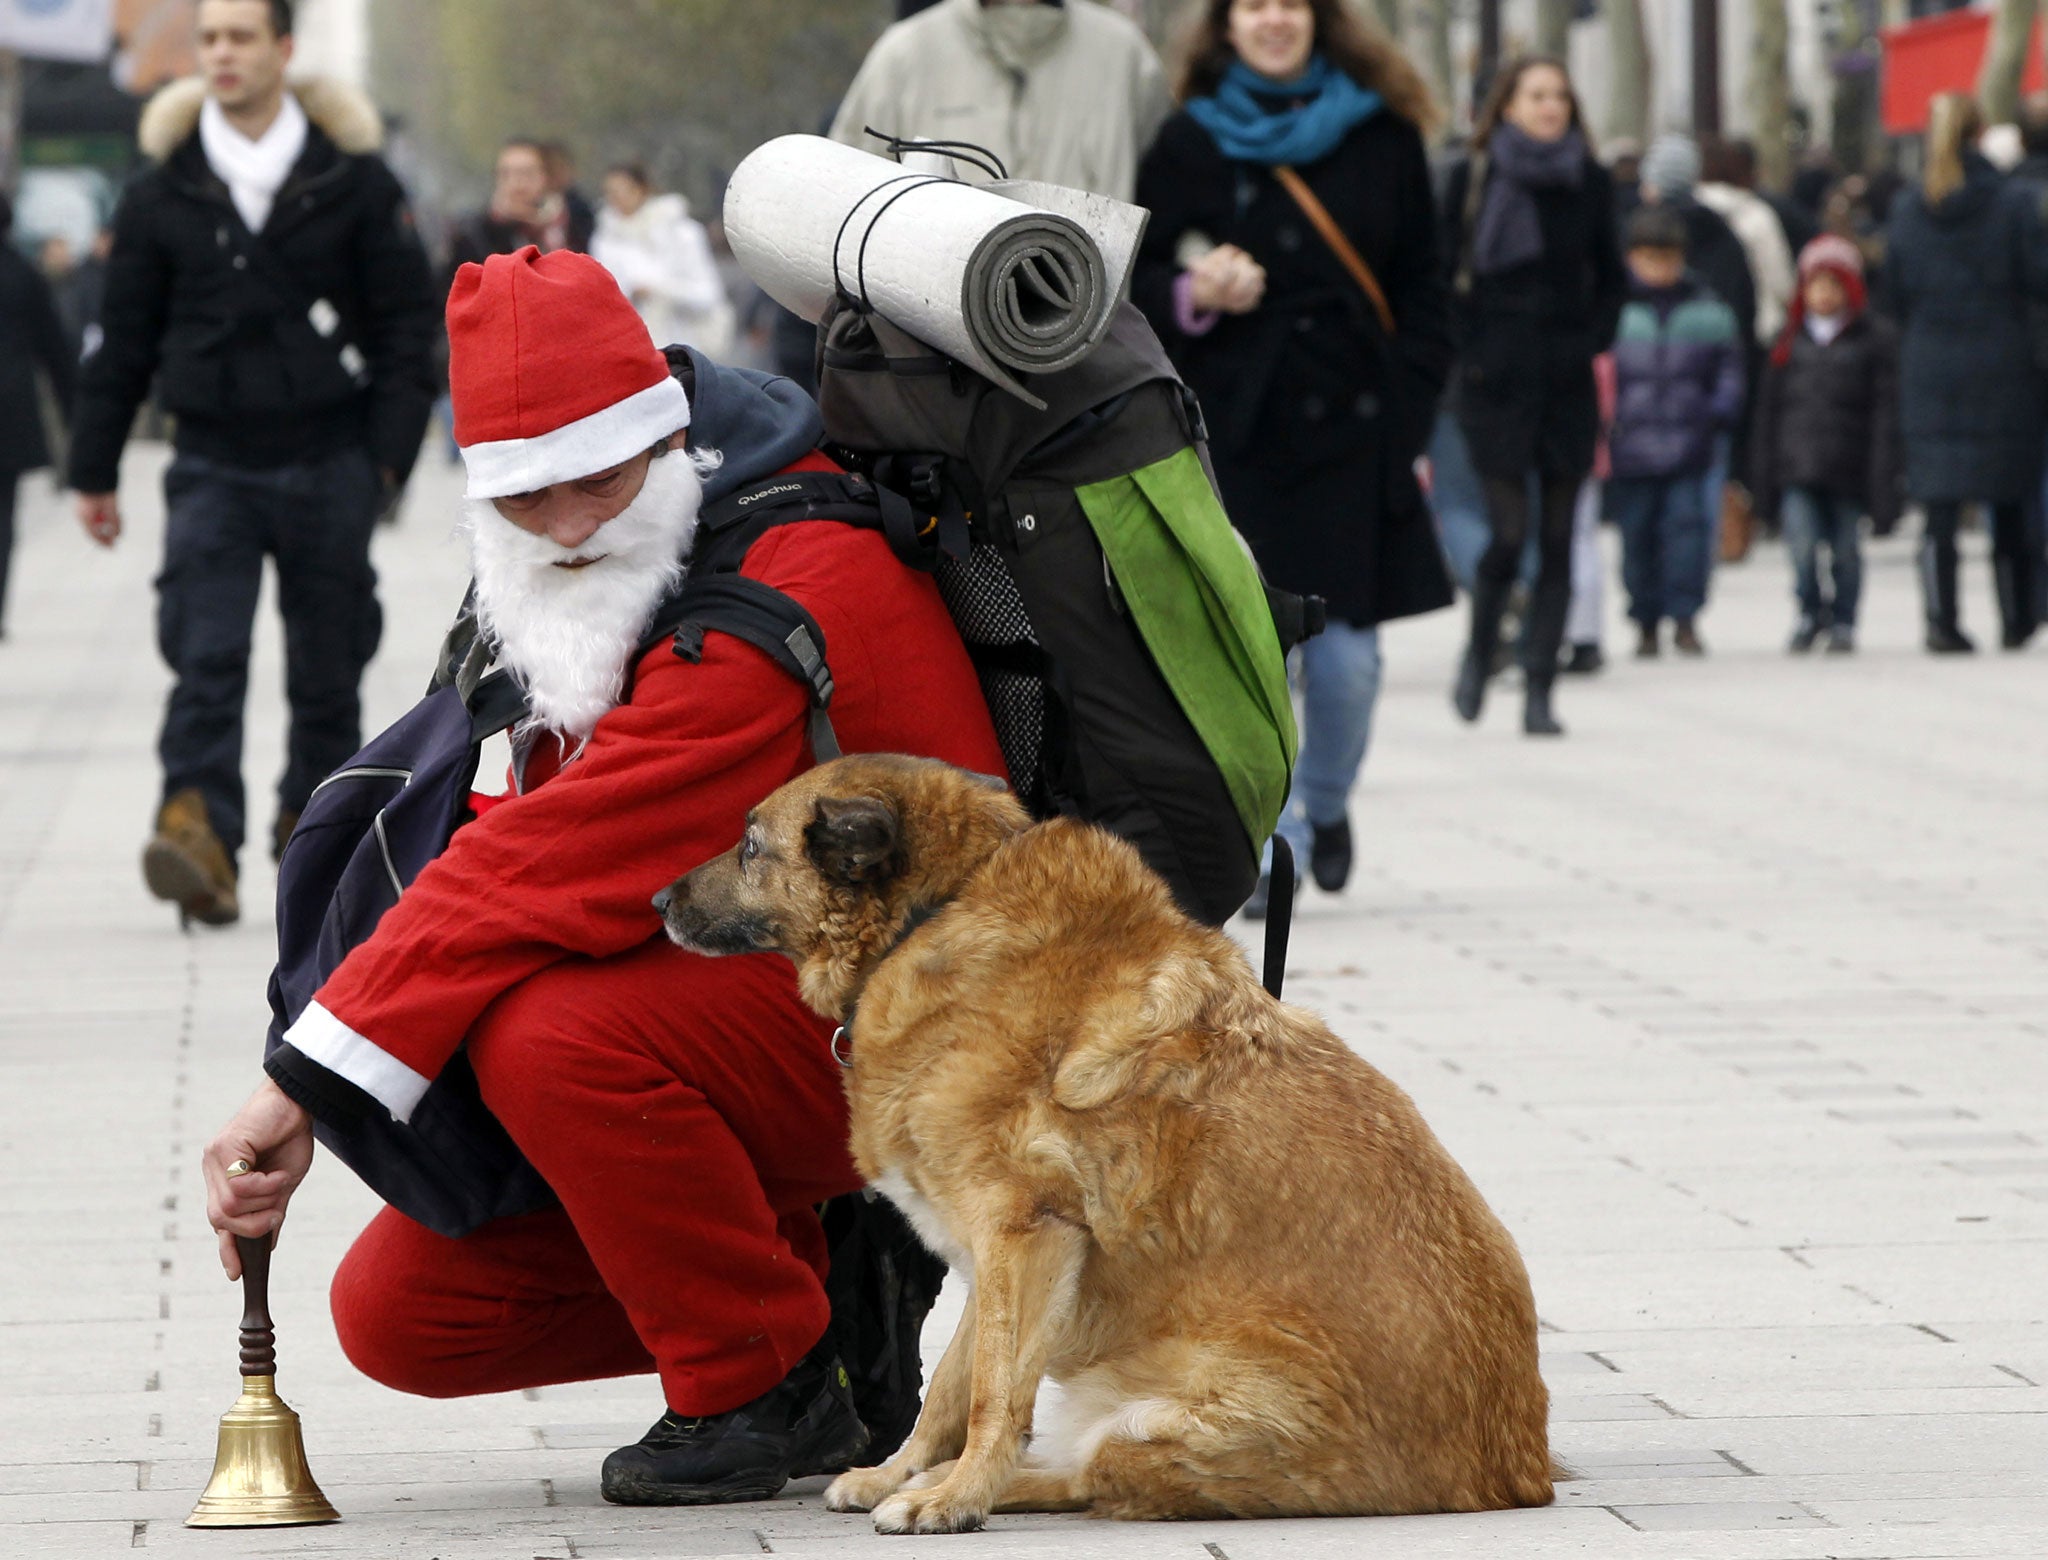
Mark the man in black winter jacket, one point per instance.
(265, 272)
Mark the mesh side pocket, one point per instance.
(988, 609)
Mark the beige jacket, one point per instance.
(1068, 94)
(1771, 265)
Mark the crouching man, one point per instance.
(686, 1112)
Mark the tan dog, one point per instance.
(1264, 1286)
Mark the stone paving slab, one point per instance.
(1734, 1004)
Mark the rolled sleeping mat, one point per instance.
(1006, 286)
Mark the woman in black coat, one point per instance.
(1967, 264)
(1318, 395)
(1537, 273)
(30, 334)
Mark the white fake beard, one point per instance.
(566, 634)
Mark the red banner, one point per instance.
(1941, 54)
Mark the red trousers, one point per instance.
(689, 1114)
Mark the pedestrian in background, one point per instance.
(81, 293)
(1066, 91)
(266, 276)
(1824, 450)
(1726, 174)
(2032, 173)
(31, 337)
(566, 211)
(1588, 614)
(520, 211)
(1539, 282)
(661, 258)
(1968, 263)
(1677, 391)
(1291, 268)
(1719, 256)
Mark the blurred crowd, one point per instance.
(1425, 357)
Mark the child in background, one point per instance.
(1678, 385)
(1825, 448)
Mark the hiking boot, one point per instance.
(1584, 661)
(1804, 637)
(1841, 640)
(1262, 897)
(805, 1424)
(1329, 855)
(1685, 638)
(1647, 648)
(281, 831)
(187, 864)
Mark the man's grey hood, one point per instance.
(758, 422)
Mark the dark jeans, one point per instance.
(1813, 520)
(1664, 545)
(315, 520)
(10, 482)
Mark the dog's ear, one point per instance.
(852, 839)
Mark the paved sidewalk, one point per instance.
(1735, 1004)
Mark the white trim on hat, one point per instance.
(604, 439)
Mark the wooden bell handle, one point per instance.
(259, 1336)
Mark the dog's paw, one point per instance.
(862, 1489)
(931, 1478)
(934, 1510)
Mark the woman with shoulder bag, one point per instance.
(1539, 286)
(1291, 269)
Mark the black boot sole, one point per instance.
(635, 1487)
(634, 1490)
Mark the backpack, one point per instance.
(1132, 658)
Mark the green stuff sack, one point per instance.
(1132, 658)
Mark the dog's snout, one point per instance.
(661, 900)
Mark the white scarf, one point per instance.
(253, 171)
(568, 634)
(1824, 328)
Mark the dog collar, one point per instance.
(842, 1037)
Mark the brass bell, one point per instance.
(260, 1477)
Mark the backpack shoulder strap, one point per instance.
(715, 595)
(775, 624)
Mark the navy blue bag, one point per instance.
(366, 833)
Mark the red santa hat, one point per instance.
(552, 373)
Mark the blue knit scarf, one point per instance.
(1256, 119)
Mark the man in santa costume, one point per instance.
(687, 1112)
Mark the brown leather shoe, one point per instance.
(187, 864)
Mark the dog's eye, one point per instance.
(748, 849)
